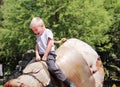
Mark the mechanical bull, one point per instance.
(79, 62)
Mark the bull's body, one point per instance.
(78, 61)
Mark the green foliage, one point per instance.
(112, 65)
(87, 22)
(18, 39)
(113, 7)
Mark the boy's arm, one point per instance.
(60, 41)
(37, 53)
(50, 43)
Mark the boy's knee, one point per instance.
(52, 69)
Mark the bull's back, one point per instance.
(75, 57)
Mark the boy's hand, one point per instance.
(63, 40)
(38, 58)
(44, 58)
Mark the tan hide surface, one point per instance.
(34, 74)
(80, 63)
(27, 81)
(40, 71)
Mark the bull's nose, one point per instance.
(94, 71)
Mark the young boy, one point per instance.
(45, 49)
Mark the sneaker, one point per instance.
(68, 83)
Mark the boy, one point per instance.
(45, 49)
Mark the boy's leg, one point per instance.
(53, 69)
(57, 72)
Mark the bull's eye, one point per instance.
(90, 66)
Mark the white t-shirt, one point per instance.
(42, 41)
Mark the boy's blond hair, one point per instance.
(36, 21)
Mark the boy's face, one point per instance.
(38, 30)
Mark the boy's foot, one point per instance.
(68, 83)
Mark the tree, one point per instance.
(17, 39)
(112, 65)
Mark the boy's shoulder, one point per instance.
(48, 30)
